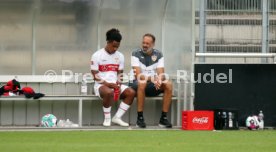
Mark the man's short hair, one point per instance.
(150, 35)
(113, 35)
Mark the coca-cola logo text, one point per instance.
(202, 120)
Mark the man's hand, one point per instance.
(119, 83)
(157, 83)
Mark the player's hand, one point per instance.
(119, 83)
(157, 83)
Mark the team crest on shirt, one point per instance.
(153, 58)
(116, 60)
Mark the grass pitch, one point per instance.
(138, 141)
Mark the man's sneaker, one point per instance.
(119, 121)
(165, 123)
(107, 122)
(140, 123)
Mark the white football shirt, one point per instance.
(107, 64)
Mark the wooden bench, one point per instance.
(63, 97)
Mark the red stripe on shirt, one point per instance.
(109, 67)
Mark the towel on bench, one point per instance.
(13, 88)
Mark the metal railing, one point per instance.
(236, 26)
(238, 55)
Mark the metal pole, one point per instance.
(35, 11)
(202, 29)
(265, 23)
(99, 26)
(191, 84)
(163, 28)
(178, 110)
(185, 95)
(80, 112)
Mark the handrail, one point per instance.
(38, 78)
(241, 55)
(53, 79)
(238, 55)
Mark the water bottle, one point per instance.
(116, 95)
(83, 87)
(224, 120)
(218, 124)
(230, 123)
(261, 119)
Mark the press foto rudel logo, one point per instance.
(207, 77)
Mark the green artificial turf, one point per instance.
(138, 141)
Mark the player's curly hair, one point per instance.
(113, 35)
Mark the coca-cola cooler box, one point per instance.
(197, 120)
(226, 119)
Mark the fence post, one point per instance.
(202, 29)
(265, 23)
